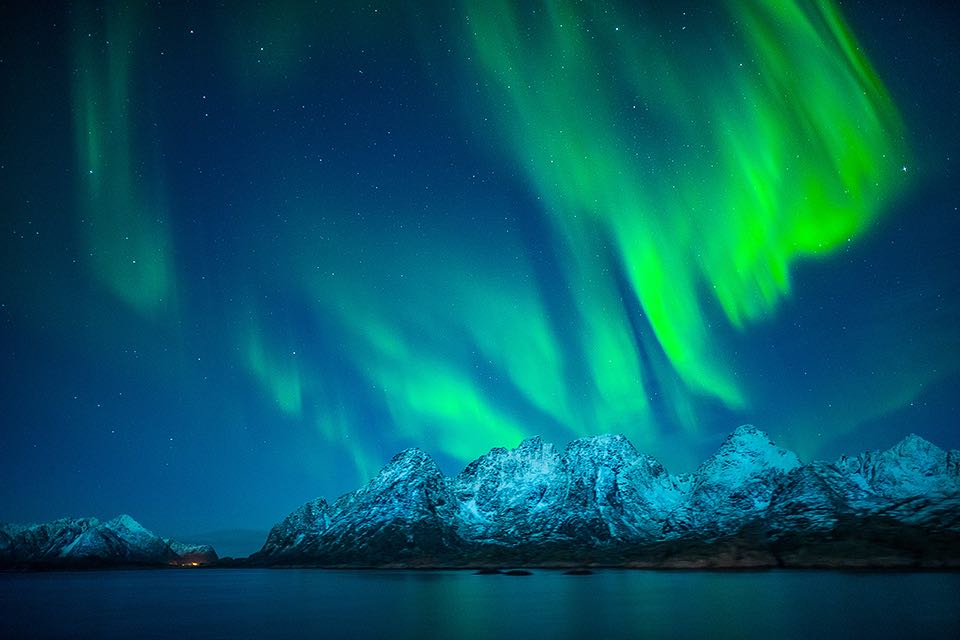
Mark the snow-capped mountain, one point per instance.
(599, 501)
(912, 467)
(89, 542)
(735, 485)
(406, 513)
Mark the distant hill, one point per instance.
(233, 543)
(87, 542)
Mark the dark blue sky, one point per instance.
(250, 252)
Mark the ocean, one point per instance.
(303, 603)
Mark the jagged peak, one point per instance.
(533, 442)
(411, 464)
(605, 439)
(913, 444)
(614, 451)
(529, 448)
(414, 456)
(534, 449)
(749, 431)
(752, 446)
(750, 437)
(532, 453)
(911, 448)
(125, 521)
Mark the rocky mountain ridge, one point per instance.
(600, 502)
(87, 542)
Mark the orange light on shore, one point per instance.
(185, 563)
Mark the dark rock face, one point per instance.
(87, 542)
(299, 528)
(600, 502)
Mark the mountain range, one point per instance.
(87, 542)
(599, 502)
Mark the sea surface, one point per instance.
(302, 603)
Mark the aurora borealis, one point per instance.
(250, 253)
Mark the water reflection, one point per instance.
(451, 604)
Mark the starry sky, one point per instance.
(250, 250)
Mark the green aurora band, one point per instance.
(683, 163)
(123, 224)
(784, 145)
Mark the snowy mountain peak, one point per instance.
(913, 446)
(413, 455)
(912, 467)
(747, 430)
(534, 443)
(735, 485)
(408, 459)
(749, 449)
(125, 522)
(747, 435)
(616, 442)
(411, 482)
(411, 467)
(532, 457)
(611, 451)
(533, 452)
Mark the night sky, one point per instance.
(250, 250)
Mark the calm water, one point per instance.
(375, 604)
